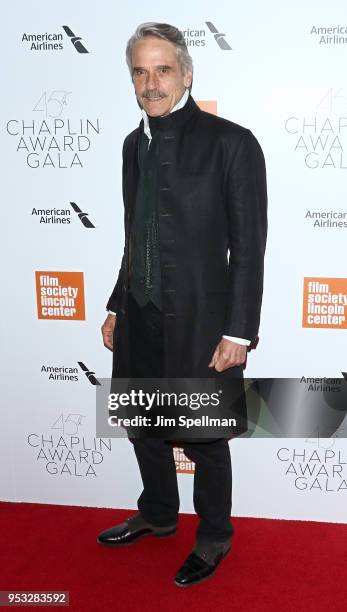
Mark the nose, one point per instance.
(152, 80)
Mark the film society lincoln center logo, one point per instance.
(325, 303)
(184, 465)
(60, 295)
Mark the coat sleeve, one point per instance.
(246, 202)
(114, 299)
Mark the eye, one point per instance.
(164, 70)
(138, 72)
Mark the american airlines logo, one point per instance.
(89, 374)
(76, 40)
(218, 36)
(197, 37)
(52, 41)
(82, 216)
(62, 216)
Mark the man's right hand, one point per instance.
(107, 330)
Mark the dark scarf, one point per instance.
(145, 279)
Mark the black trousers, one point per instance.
(159, 500)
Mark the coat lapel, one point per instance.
(130, 178)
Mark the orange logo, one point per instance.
(325, 303)
(60, 295)
(209, 106)
(183, 464)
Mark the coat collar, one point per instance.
(176, 119)
(146, 119)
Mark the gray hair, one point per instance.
(166, 32)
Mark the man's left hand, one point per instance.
(228, 354)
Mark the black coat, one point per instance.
(212, 197)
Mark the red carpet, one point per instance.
(282, 566)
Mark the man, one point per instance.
(194, 190)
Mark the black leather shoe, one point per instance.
(201, 563)
(132, 529)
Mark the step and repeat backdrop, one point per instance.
(67, 104)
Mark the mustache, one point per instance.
(153, 93)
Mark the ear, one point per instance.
(188, 77)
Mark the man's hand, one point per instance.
(107, 330)
(228, 354)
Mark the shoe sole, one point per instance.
(143, 535)
(184, 586)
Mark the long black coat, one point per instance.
(212, 197)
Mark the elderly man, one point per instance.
(188, 295)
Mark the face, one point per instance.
(157, 76)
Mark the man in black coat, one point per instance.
(188, 296)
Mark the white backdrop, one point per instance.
(64, 115)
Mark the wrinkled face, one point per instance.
(157, 76)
